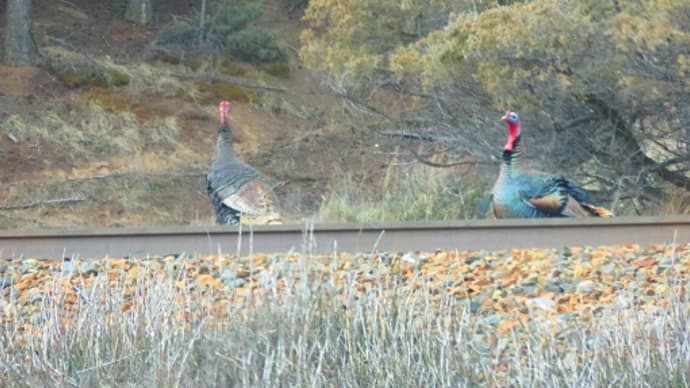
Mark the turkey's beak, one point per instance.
(504, 117)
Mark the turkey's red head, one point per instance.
(514, 129)
(224, 108)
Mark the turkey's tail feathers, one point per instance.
(597, 211)
(584, 200)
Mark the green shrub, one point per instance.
(278, 69)
(232, 26)
(231, 29)
(254, 45)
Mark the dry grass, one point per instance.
(676, 201)
(411, 192)
(90, 131)
(162, 328)
(126, 198)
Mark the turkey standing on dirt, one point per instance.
(238, 192)
(520, 192)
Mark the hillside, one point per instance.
(76, 154)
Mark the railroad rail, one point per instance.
(328, 238)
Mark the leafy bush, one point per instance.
(254, 45)
(230, 29)
(231, 25)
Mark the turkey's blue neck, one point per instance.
(512, 159)
(224, 151)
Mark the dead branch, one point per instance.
(96, 177)
(428, 162)
(193, 173)
(55, 201)
(417, 136)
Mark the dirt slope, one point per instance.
(294, 136)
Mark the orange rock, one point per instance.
(242, 291)
(645, 261)
(607, 278)
(459, 291)
(581, 271)
(113, 274)
(511, 279)
(71, 298)
(119, 264)
(126, 306)
(506, 326)
(23, 284)
(209, 281)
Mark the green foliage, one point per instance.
(232, 28)
(606, 83)
(233, 17)
(254, 45)
(278, 69)
(232, 25)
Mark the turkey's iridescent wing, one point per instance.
(552, 203)
(559, 196)
(254, 198)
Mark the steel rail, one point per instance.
(328, 238)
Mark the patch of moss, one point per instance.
(75, 79)
(214, 92)
(230, 67)
(195, 62)
(104, 78)
(118, 78)
(277, 69)
(108, 100)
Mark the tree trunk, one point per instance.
(139, 11)
(19, 44)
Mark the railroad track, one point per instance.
(427, 236)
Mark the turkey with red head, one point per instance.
(238, 192)
(520, 192)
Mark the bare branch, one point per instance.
(422, 160)
(416, 136)
(79, 197)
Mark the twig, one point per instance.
(94, 177)
(56, 201)
(409, 135)
(130, 173)
(417, 136)
(420, 159)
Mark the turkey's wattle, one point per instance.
(238, 192)
(520, 192)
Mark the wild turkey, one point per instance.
(238, 192)
(520, 192)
